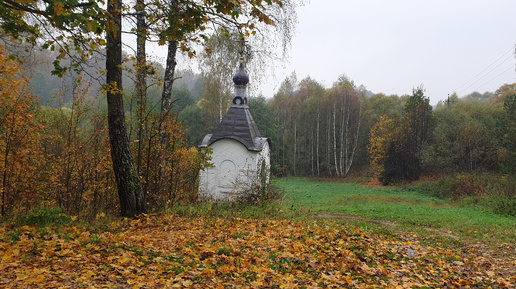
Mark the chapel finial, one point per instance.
(240, 79)
(241, 49)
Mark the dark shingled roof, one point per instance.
(238, 124)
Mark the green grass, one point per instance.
(44, 216)
(397, 207)
(231, 210)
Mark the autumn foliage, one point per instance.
(171, 251)
(20, 153)
(60, 157)
(395, 145)
(381, 137)
(76, 149)
(169, 171)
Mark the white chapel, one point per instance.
(240, 155)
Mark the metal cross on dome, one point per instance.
(241, 50)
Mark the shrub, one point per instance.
(260, 194)
(497, 193)
(467, 185)
(492, 192)
(504, 200)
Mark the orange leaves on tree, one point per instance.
(19, 138)
(171, 168)
(58, 8)
(381, 137)
(77, 153)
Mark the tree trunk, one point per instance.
(168, 81)
(170, 69)
(311, 143)
(130, 193)
(328, 144)
(295, 146)
(335, 140)
(344, 170)
(317, 145)
(141, 77)
(348, 164)
(343, 129)
(283, 142)
(4, 176)
(166, 101)
(166, 105)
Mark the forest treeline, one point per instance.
(55, 146)
(331, 132)
(315, 131)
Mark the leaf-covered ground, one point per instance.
(170, 251)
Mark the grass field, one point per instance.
(398, 208)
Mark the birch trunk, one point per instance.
(342, 130)
(348, 165)
(168, 82)
(328, 147)
(295, 147)
(317, 137)
(335, 139)
(312, 160)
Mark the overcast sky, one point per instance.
(393, 46)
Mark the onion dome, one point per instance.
(241, 78)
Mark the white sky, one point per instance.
(394, 46)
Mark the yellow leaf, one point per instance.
(21, 276)
(123, 260)
(58, 8)
(39, 279)
(187, 283)
(25, 228)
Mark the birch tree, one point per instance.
(350, 118)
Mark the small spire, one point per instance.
(240, 79)
(241, 50)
